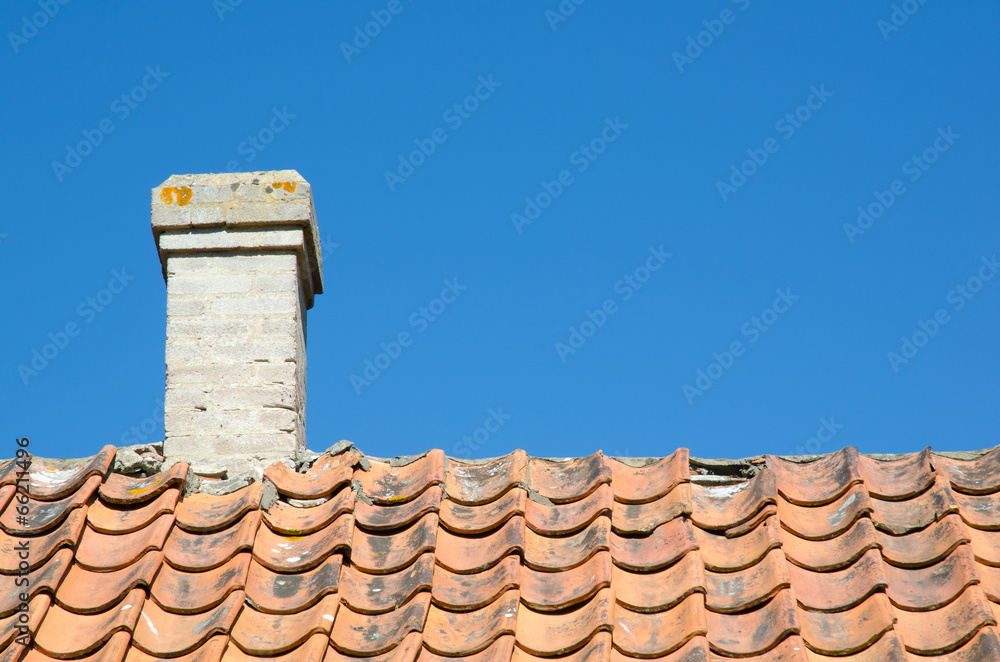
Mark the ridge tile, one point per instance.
(979, 476)
(652, 481)
(817, 482)
(719, 507)
(124, 490)
(44, 515)
(324, 477)
(893, 480)
(387, 484)
(475, 484)
(50, 484)
(568, 480)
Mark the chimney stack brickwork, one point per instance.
(241, 257)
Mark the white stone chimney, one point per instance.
(241, 257)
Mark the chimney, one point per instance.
(241, 256)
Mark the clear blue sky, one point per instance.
(832, 104)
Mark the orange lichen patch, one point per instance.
(292, 521)
(376, 517)
(114, 519)
(50, 483)
(124, 490)
(388, 484)
(288, 186)
(649, 482)
(464, 633)
(180, 194)
(299, 553)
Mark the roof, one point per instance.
(516, 558)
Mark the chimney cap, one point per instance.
(237, 202)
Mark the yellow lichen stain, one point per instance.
(292, 538)
(288, 186)
(140, 490)
(183, 194)
(397, 498)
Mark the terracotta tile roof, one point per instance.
(516, 559)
